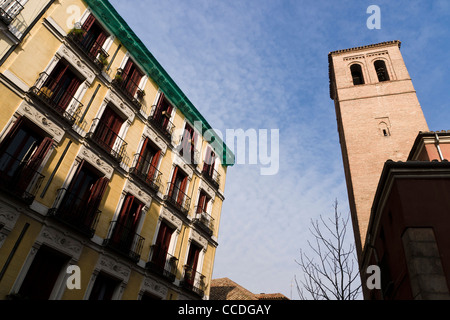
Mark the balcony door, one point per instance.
(148, 160)
(208, 166)
(108, 128)
(83, 196)
(126, 224)
(163, 112)
(21, 153)
(191, 264)
(162, 245)
(42, 274)
(188, 143)
(178, 186)
(94, 36)
(60, 86)
(131, 76)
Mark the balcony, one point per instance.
(211, 175)
(9, 10)
(75, 212)
(129, 89)
(87, 45)
(177, 198)
(193, 281)
(161, 121)
(204, 221)
(124, 240)
(162, 263)
(19, 179)
(146, 172)
(54, 96)
(108, 140)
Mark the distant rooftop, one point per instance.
(226, 289)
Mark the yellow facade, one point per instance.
(43, 218)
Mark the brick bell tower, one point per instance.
(378, 118)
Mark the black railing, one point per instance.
(108, 140)
(18, 178)
(86, 43)
(75, 212)
(177, 198)
(9, 9)
(193, 281)
(128, 88)
(146, 172)
(211, 174)
(206, 222)
(162, 263)
(124, 240)
(55, 96)
(161, 121)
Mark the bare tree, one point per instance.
(332, 273)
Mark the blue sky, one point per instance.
(262, 64)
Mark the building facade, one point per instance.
(107, 170)
(378, 116)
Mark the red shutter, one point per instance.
(97, 191)
(11, 133)
(166, 117)
(181, 194)
(162, 244)
(172, 183)
(55, 76)
(140, 159)
(158, 110)
(88, 23)
(98, 44)
(69, 93)
(133, 83)
(127, 68)
(201, 207)
(153, 165)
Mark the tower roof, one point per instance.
(330, 60)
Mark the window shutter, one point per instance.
(88, 23)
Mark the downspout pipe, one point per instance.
(436, 143)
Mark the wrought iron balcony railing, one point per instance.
(56, 97)
(124, 240)
(211, 174)
(108, 140)
(87, 44)
(75, 212)
(18, 178)
(146, 172)
(193, 281)
(204, 220)
(129, 89)
(162, 263)
(177, 198)
(9, 10)
(161, 121)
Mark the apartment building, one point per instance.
(111, 181)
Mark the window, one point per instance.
(42, 274)
(146, 162)
(59, 87)
(208, 166)
(93, 38)
(357, 74)
(190, 268)
(203, 202)
(380, 68)
(22, 152)
(104, 287)
(161, 115)
(80, 201)
(177, 187)
(9, 9)
(161, 246)
(187, 145)
(106, 133)
(124, 237)
(131, 76)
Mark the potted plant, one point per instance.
(77, 33)
(103, 60)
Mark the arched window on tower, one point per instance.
(357, 74)
(380, 68)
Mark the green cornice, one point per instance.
(106, 13)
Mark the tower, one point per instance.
(378, 117)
